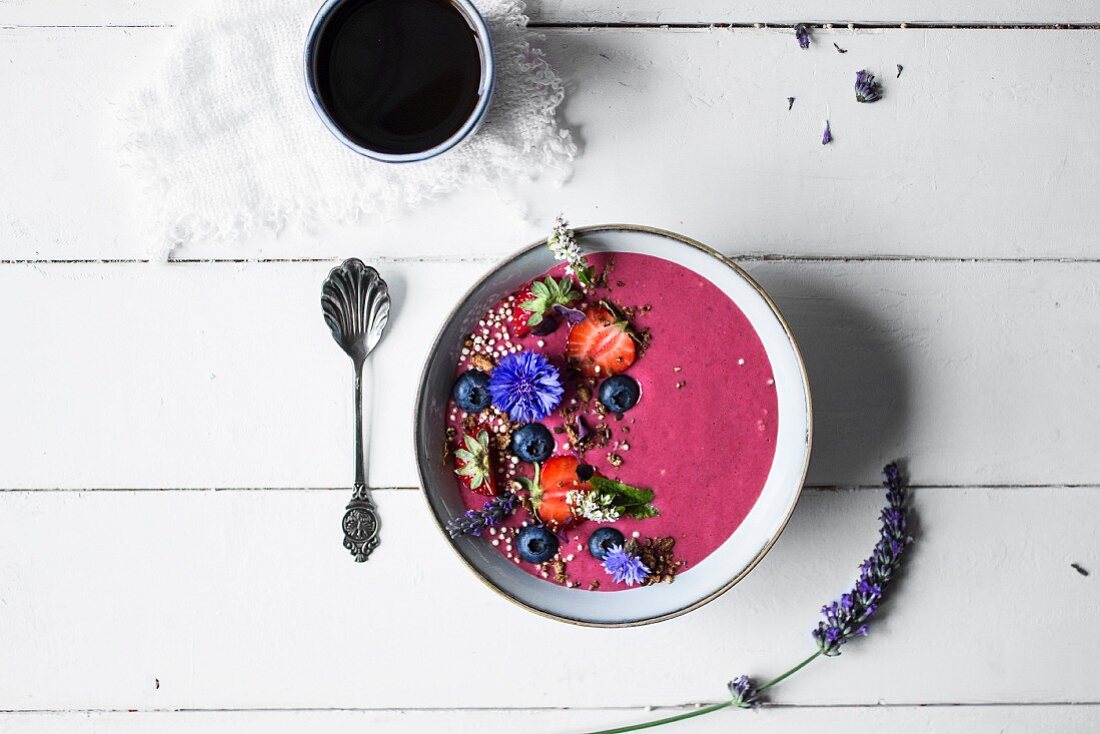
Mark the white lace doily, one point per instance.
(224, 140)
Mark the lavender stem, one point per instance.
(789, 673)
(712, 707)
(668, 720)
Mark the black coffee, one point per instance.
(398, 76)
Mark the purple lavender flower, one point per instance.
(867, 89)
(624, 567)
(847, 617)
(744, 693)
(570, 314)
(802, 34)
(827, 136)
(525, 386)
(473, 522)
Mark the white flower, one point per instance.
(593, 505)
(563, 243)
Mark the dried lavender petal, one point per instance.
(827, 136)
(867, 89)
(571, 315)
(744, 693)
(802, 35)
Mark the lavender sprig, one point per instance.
(844, 619)
(847, 617)
(474, 522)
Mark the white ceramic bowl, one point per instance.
(732, 560)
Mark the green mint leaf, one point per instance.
(622, 491)
(642, 512)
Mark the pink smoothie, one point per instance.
(702, 436)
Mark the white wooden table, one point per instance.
(175, 439)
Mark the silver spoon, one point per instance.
(356, 304)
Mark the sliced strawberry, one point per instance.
(557, 479)
(474, 463)
(518, 319)
(600, 342)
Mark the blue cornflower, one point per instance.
(625, 568)
(867, 89)
(744, 693)
(525, 386)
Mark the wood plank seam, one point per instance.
(1001, 486)
(773, 257)
(821, 25)
(638, 25)
(626, 709)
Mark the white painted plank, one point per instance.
(220, 375)
(985, 147)
(245, 599)
(832, 720)
(55, 12)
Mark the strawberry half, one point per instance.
(474, 461)
(600, 342)
(519, 318)
(556, 480)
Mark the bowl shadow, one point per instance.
(859, 379)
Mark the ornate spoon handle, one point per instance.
(360, 522)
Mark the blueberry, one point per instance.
(600, 542)
(585, 472)
(532, 442)
(620, 393)
(536, 544)
(471, 391)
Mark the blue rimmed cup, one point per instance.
(329, 47)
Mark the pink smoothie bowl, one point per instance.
(756, 531)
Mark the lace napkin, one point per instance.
(224, 141)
